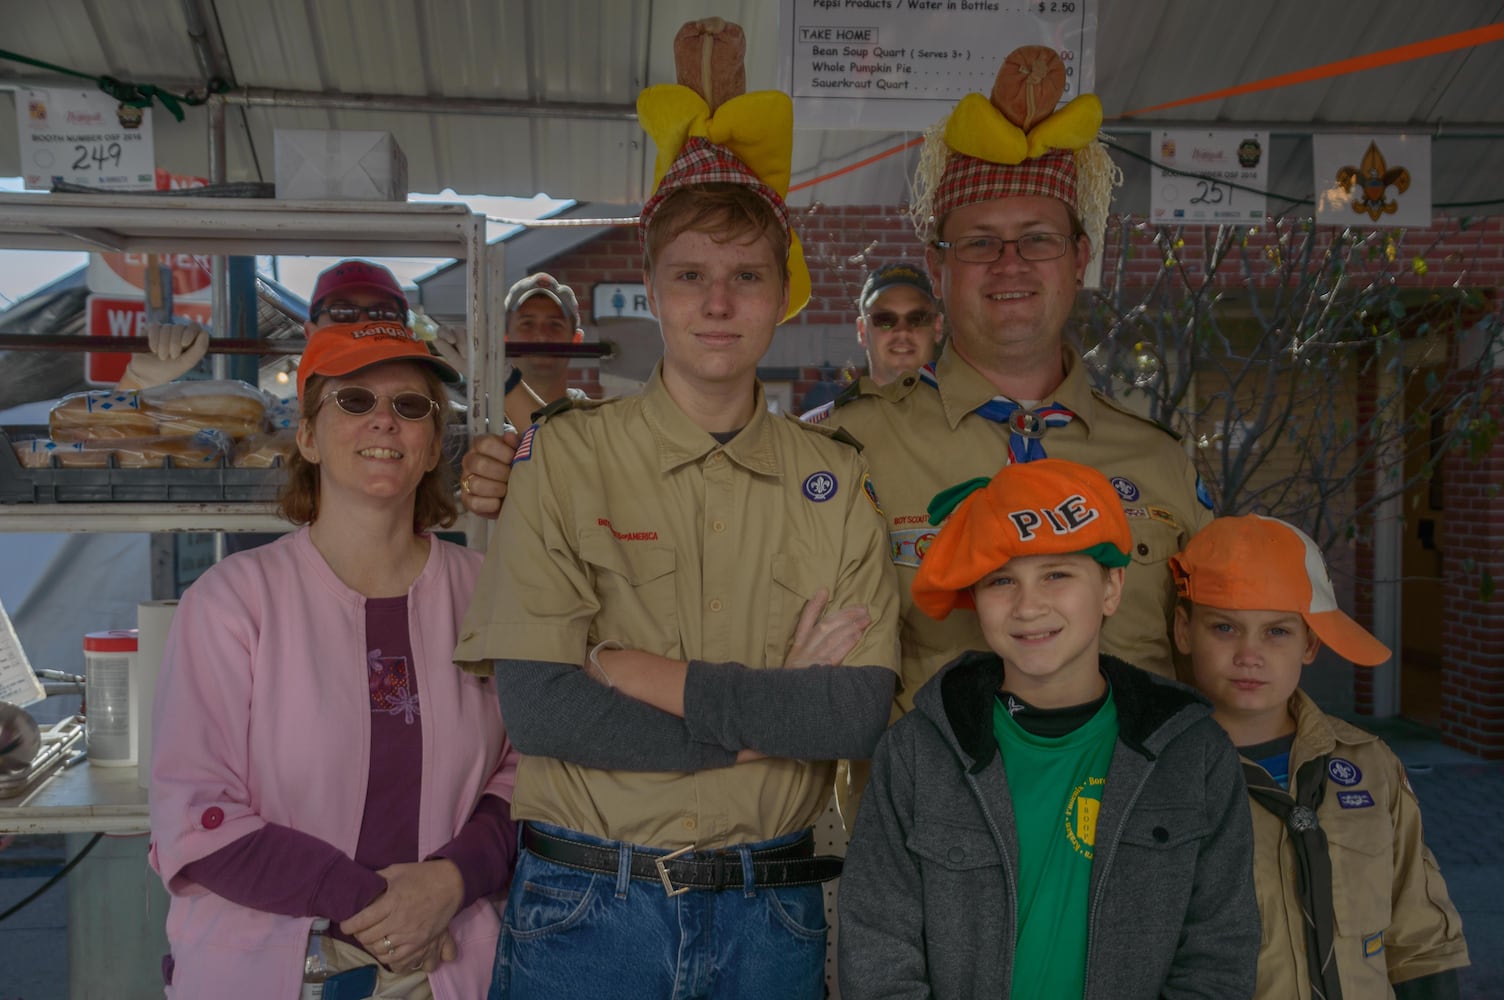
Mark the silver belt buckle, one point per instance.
(661, 863)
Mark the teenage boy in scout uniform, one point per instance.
(1352, 901)
(661, 557)
(1049, 821)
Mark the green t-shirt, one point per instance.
(1056, 784)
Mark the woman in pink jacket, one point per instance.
(317, 753)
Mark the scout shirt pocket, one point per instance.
(794, 582)
(1362, 856)
(635, 585)
(1139, 631)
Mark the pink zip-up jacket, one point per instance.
(263, 716)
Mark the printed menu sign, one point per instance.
(902, 64)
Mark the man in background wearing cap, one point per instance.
(1257, 604)
(541, 310)
(651, 605)
(355, 290)
(1007, 241)
(899, 323)
(1048, 821)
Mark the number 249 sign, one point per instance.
(75, 136)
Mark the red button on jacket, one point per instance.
(212, 817)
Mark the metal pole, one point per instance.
(219, 266)
(266, 97)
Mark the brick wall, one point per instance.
(843, 242)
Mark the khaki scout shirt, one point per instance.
(920, 441)
(1394, 919)
(629, 522)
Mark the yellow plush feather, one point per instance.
(978, 129)
(1072, 127)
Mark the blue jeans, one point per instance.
(570, 933)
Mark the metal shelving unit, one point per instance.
(210, 226)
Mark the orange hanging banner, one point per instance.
(1374, 60)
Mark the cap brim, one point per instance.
(1347, 638)
(340, 367)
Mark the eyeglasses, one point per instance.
(888, 320)
(346, 313)
(357, 401)
(986, 249)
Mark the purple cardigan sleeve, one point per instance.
(278, 869)
(485, 849)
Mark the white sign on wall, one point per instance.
(1225, 166)
(903, 64)
(1372, 180)
(619, 301)
(76, 136)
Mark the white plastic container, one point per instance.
(109, 731)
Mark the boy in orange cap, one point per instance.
(1339, 861)
(1049, 821)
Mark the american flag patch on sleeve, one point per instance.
(525, 447)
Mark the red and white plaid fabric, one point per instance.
(968, 180)
(703, 162)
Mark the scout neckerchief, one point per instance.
(1314, 861)
(1026, 427)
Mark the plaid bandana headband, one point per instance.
(703, 162)
(968, 180)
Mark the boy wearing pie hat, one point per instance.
(1353, 902)
(1049, 820)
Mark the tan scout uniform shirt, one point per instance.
(920, 441)
(629, 522)
(1394, 919)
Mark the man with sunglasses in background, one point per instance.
(899, 324)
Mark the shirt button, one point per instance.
(690, 824)
(1143, 549)
(718, 526)
(956, 855)
(715, 605)
(211, 818)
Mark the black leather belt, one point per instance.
(791, 864)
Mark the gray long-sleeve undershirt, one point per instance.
(812, 713)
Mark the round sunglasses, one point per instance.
(346, 313)
(357, 401)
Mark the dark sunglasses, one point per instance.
(352, 314)
(357, 401)
(886, 320)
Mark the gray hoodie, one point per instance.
(927, 900)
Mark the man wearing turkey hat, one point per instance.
(1011, 199)
(688, 608)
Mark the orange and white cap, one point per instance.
(1257, 563)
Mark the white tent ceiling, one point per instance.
(561, 76)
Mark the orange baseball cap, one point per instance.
(348, 347)
(1048, 507)
(1257, 563)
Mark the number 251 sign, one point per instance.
(75, 136)
(1208, 176)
